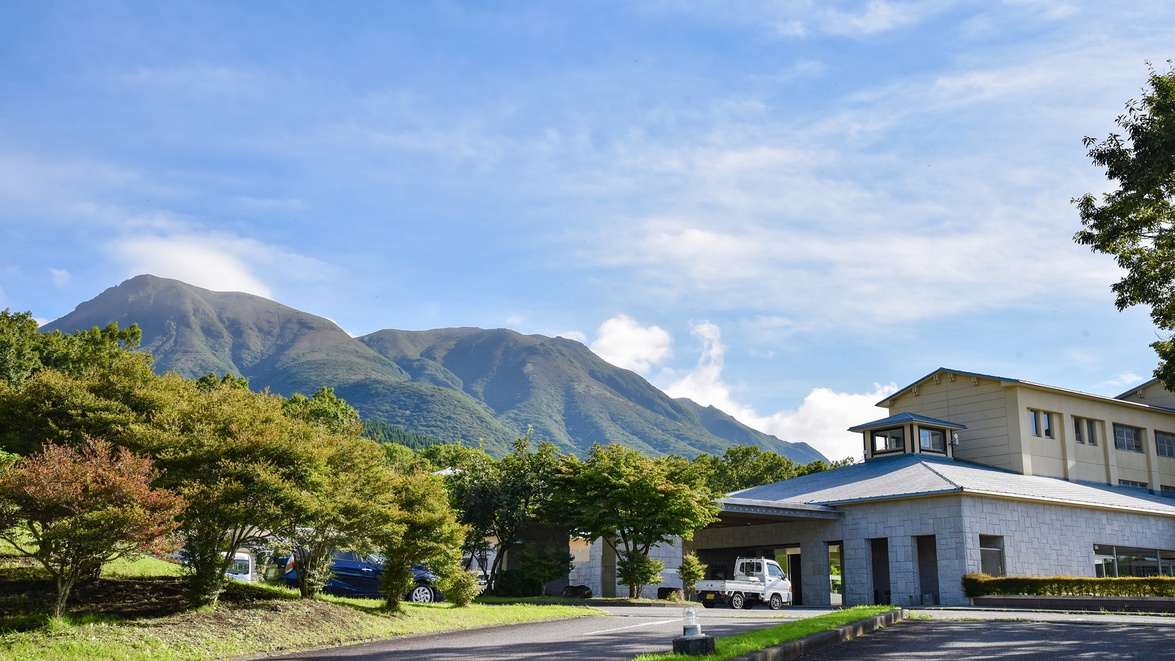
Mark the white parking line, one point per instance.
(633, 626)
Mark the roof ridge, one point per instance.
(931, 468)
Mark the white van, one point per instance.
(243, 567)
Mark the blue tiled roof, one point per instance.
(915, 475)
(902, 418)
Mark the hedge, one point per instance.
(979, 585)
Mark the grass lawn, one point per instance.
(732, 646)
(138, 610)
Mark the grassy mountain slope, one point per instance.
(453, 384)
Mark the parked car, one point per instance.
(357, 575)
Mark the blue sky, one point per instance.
(784, 209)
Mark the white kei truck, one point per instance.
(755, 580)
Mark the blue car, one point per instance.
(357, 575)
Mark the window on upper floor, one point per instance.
(1167, 490)
(934, 440)
(889, 440)
(1041, 423)
(1128, 438)
(1165, 444)
(1132, 484)
(1085, 430)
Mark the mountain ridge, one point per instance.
(461, 384)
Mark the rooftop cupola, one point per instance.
(909, 433)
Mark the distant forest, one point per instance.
(389, 433)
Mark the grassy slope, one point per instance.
(137, 611)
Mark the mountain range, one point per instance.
(451, 384)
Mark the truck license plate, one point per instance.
(710, 596)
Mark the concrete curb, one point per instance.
(794, 649)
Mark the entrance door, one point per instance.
(794, 573)
(880, 552)
(928, 569)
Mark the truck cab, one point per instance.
(755, 580)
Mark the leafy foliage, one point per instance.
(422, 530)
(633, 502)
(690, 571)
(324, 408)
(1136, 222)
(978, 585)
(543, 563)
(500, 499)
(84, 508)
(746, 466)
(241, 464)
(24, 350)
(345, 501)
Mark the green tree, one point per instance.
(88, 348)
(500, 499)
(632, 502)
(239, 461)
(422, 529)
(452, 455)
(83, 508)
(1136, 222)
(20, 347)
(210, 381)
(325, 408)
(344, 503)
(690, 571)
(543, 563)
(112, 402)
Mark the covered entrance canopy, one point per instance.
(749, 512)
(726, 542)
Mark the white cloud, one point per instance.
(625, 343)
(1124, 380)
(821, 420)
(60, 277)
(214, 260)
(877, 17)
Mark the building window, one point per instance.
(1085, 430)
(934, 440)
(889, 440)
(1165, 444)
(1132, 484)
(1041, 423)
(1167, 490)
(1127, 438)
(1130, 561)
(991, 555)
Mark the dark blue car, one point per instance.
(357, 575)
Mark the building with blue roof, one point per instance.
(969, 473)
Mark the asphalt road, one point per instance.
(955, 634)
(622, 634)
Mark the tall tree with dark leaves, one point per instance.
(1136, 222)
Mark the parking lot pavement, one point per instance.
(1050, 636)
(967, 641)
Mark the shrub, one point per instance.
(461, 588)
(979, 585)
